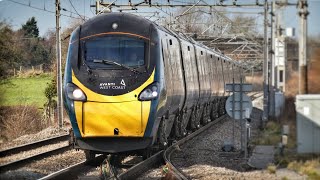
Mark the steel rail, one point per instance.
(143, 166)
(72, 172)
(167, 154)
(33, 145)
(162, 156)
(21, 162)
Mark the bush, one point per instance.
(16, 121)
(51, 91)
(272, 169)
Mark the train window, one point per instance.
(170, 42)
(201, 53)
(218, 59)
(108, 52)
(210, 55)
(188, 48)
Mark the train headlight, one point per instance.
(150, 92)
(114, 26)
(75, 93)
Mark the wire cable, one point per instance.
(34, 7)
(76, 11)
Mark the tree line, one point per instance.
(24, 47)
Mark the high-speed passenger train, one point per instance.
(131, 84)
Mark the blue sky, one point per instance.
(17, 14)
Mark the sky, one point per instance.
(17, 14)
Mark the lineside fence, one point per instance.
(24, 71)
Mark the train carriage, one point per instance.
(131, 85)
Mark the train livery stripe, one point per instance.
(113, 33)
(101, 115)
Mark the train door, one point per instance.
(167, 72)
(177, 76)
(190, 72)
(207, 71)
(222, 76)
(212, 71)
(201, 71)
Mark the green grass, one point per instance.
(21, 91)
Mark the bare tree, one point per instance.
(243, 24)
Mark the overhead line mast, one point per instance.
(265, 114)
(303, 74)
(59, 71)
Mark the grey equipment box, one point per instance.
(308, 123)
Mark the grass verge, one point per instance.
(24, 91)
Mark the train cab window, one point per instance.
(188, 48)
(112, 52)
(170, 42)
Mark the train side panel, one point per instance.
(204, 85)
(222, 76)
(190, 73)
(174, 80)
(212, 76)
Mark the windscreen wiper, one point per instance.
(105, 61)
(87, 67)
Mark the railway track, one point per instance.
(167, 154)
(170, 150)
(72, 172)
(178, 174)
(33, 145)
(163, 157)
(135, 171)
(30, 146)
(158, 159)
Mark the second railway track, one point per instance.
(15, 164)
(33, 145)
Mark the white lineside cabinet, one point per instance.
(308, 123)
(279, 103)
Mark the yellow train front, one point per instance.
(111, 83)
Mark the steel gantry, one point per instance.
(240, 47)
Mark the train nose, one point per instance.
(112, 119)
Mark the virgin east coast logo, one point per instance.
(123, 83)
(112, 85)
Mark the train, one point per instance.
(132, 86)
